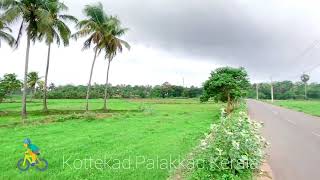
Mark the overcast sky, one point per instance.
(176, 39)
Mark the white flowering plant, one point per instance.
(236, 150)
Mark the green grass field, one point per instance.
(135, 140)
(309, 107)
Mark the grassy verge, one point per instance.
(309, 107)
(138, 140)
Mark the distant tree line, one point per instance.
(165, 90)
(11, 85)
(286, 90)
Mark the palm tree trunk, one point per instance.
(25, 85)
(305, 91)
(89, 84)
(45, 106)
(106, 87)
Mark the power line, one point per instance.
(313, 45)
(312, 69)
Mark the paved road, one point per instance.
(295, 141)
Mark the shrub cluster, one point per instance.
(236, 150)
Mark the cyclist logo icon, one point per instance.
(31, 158)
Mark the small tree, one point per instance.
(305, 78)
(226, 84)
(8, 85)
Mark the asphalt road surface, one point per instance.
(294, 153)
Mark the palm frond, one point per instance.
(57, 36)
(95, 13)
(125, 43)
(64, 32)
(54, 28)
(12, 14)
(87, 24)
(6, 37)
(68, 18)
(82, 33)
(6, 4)
(87, 43)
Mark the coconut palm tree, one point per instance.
(96, 27)
(34, 18)
(57, 31)
(32, 80)
(112, 44)
(5, 35)
(305, 78)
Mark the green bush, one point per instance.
(236, 150)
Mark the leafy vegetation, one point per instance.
(236, 150)
(226, 84)
(33, 79)
(35, 19)
(112, 45)
(57, 31)
(42, 19)
(149, 128)
(8, 85)
(4, 35)
(103, 32)
(286, 90)
(123, 91)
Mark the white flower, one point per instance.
(203, 143)
(228, 132)
(236, 145)
(242, 113)
(219, 151)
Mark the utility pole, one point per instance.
(305, 91)
(271, 90)
(257, 91)
(183, 81)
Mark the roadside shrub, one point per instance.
(236, 150)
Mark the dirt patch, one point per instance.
(103, 115)
(265, 172)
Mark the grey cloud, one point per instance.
(263, 36)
